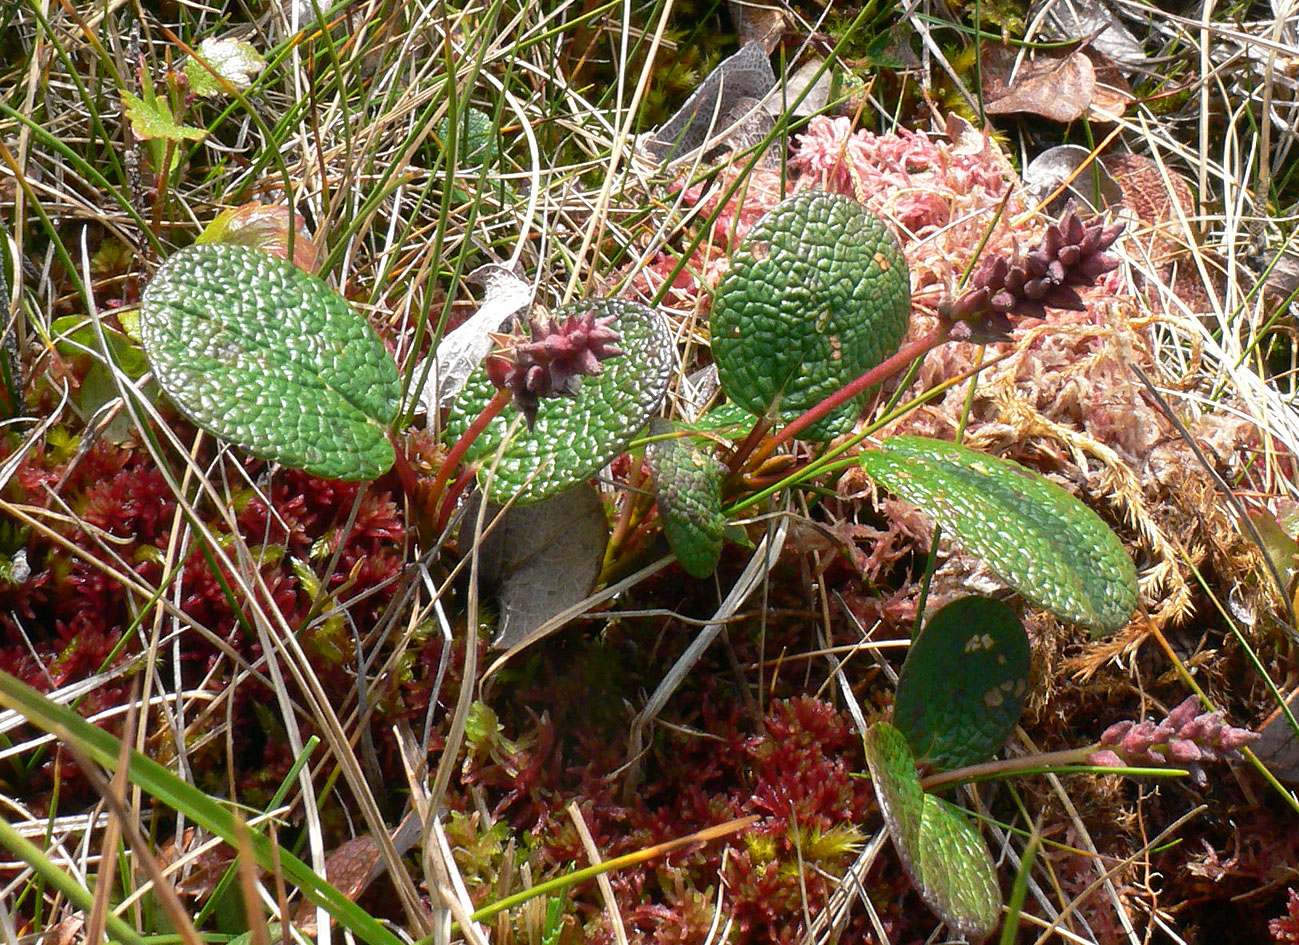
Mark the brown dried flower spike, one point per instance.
(554, 361)
(1072, 254)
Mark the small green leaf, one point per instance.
(1037, 537)
(234, 60)
(153, 119)
(258, 352)
(688, 488)
(962, 687)
(74, 335)
(572, 437)
(944, 856)
(818, 295)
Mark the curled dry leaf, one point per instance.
(1058, 87)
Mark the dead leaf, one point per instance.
(757, 24)
(1112, 94)
(1093, 187)
(1278, 746)
(1077, 19)
(462, 350)
(542, 558)
(1056, 87)
(722, 99)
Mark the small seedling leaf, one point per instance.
(944, 856)
(688, 488)
(1037, 537)
(963, 685)
(572, 437)
(153, 120)
(260, 353)
(818, 295)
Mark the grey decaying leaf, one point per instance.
(462, 350)
(1046, 172)
(1077, 19)
(725, 96)
(541, 559)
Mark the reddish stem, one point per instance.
(401, 464)
(886, 368)
(461, 446)
(453, 495)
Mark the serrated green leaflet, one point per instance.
(963, 685)
(688, 488)
(944, 856)
(1037, 537)
(818, 295)
(572, 438)
(258, 352)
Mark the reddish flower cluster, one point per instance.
(553, 363)
(1186, 738)
(1072, 254)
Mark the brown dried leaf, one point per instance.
(350, 869)
(1277, 747)
(756, 23)
(1112, 94)
(1056, 87)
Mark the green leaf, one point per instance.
(153, 119)
(688, 488)
(74, 335)
(818, 295)
(572, 438)
(234, 60)
(963, 685)
(260, 353)
(944, 856)
(1037, 537)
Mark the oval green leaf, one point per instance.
(1038, 538)
(258, 352)
(963, 684)
(572, 437)
(818, 295)
(944, 856)
(688, 489)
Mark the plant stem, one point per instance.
(402, 465)
(886, 368)
(461, 446)
(1008, 766)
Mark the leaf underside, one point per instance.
(818, 295)
(944, 856)
(572, 437)
(259, 353)
(963, 684)
(1037, 537)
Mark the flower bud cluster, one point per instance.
(554, 361)
(1071, 255)
(1186, 738)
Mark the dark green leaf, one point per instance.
(963, 685)
(572, 437)
(258, 352)
(818, 295)
(944, 856)
(1036, 536)
(688, 488)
